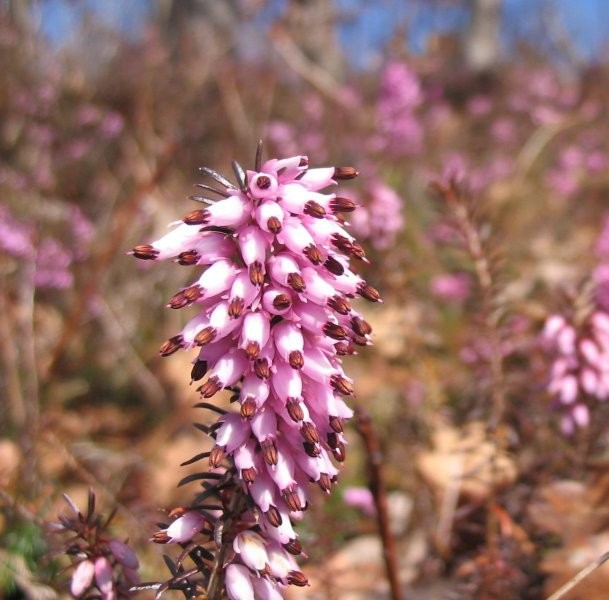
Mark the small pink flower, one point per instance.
(451, 287)
(184, 528)
(82, 578)
(361, 498)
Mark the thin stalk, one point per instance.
(374, 460)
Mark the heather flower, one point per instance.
(274, 319)
(452, 287)
(579, 373)
(399, 128)
(360, 498)
(380, 219)
(102, 564)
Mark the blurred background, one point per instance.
(496, 473)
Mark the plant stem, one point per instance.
(375, 483)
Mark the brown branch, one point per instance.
(579, 577)
(374, 460)
(486, 281)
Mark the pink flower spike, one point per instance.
(82, 578)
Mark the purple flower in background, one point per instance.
(360, 498)
(15, 236)
(53, 265)
(274, 319)
(580, 369)
(380, 219)
(104, 566)
(451, 287)
(399, 128)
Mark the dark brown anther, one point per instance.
(293, 547)
(345, 173)
(177, 301)
(357, 251)
(296, 359)
(173, 344)
(342, 205)
(336, 423)
(339, 304)
(274, 225)
(248, 475)
(341, 243)
(335, 331)
(304, 161)
(252, 350)
(360, 326)
(198, 370)
(269, 452)
(248, 408)
(235, 308)
(160, 537)
(185, 297)
(296, 282)
(216, 456)
(193, 293)
(341, 385)
(314, 254)
(210, 387)
(344, 349)
(292, 499)
(197, 217)
(256, 272)
(282, 302)
(335, 267)
(312, 450)
(188, 258)
(333, 439)
(297, 578)
(309, 432)
(273, 516)
(295, 410)
(368, 292)
(262, 368)
(360, 340)
(205, 336)
(145, 252)
(314, 209)
(339, 453)
(325, 482)
(263, 182)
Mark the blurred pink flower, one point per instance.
(360, 498)
(451, 287)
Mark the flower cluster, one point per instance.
(102, 563)
(274, 319)
(580, 369)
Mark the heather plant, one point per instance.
(492, 389)
(274, 320)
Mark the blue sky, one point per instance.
(584, 21)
